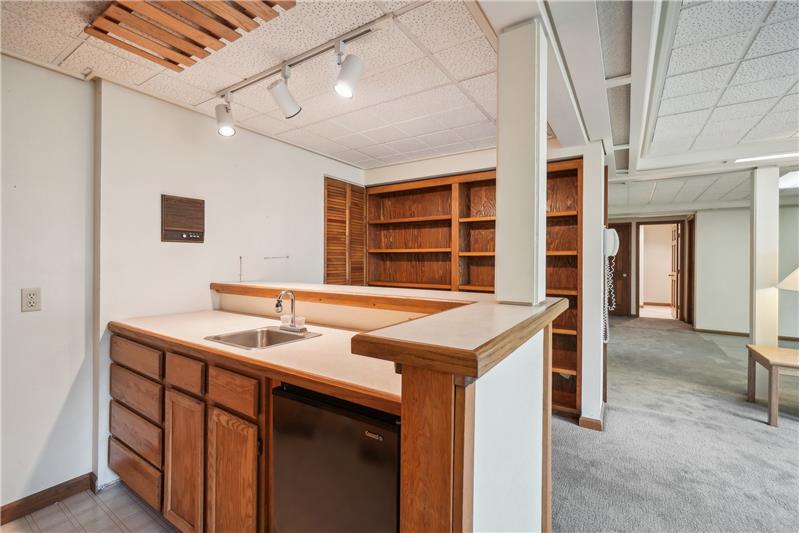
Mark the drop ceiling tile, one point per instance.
(484, 90)
(696, 82)
(739, 111)
(774, 38)
(314, 77)
(486, 142)
(714, 19)
(371, 163)
(173, 90)
(308, 115)
(730, 128)
(384, 48)
(442, 138)
(257, 96)
(329, 104)
(379, 151)
(469, 59)
(768, 67)
(774, 125)
(722, 186)
(480, 130)
(245, 56)
(787, 103)
(362, 120)
(421, 104)
(267, 125)
(385, 134)
(783, 9)
(409, 144)
(413, 77)
(621, 159)
(331, 19)
(420, 126)
(793, 90)
(617, 194)
(109, 66)
(693, 188)
(639, 193)
(680, 126)
(440, 25)
(666, 190)
(300, 137)
(351, 155)
(390, 6)
(756, 91)
(743, 191)
(208, 78)
(673, 145)
(715, 141)
(614, 20)
(397, 159)
(461, 116)
(324, 146)
(31, 40)
(329, 129)
(240, 113)
(354, 140)
(67, 18)
(689, 102)
(454, 148)
(707, 54)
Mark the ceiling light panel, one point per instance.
(484, 90)
(468, 59)
(715, 19)
(440, 25)
(707, 54)
(614, 20)
(774, 38)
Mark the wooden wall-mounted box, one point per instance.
(182, 219)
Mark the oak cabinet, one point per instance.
(184, 432)
(231, 469)
(345, 211)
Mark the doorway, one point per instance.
(660, 261)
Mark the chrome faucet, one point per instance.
(279, 309)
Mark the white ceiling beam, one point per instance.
(618, 81)
(644, 31)
(662, 209)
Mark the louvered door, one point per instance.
(344, 233)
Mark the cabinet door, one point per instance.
(184, 420)
(345, 224)
(231, 473)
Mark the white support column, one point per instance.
(764, 257)
(521, 164)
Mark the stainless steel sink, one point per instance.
(253, 339)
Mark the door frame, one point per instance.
(684, 265)
(631, 237)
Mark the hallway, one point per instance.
(682, 450)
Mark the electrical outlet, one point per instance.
(31, 300)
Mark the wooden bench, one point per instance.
(777, 361)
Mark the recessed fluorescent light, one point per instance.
(790, 180)
(765, 157)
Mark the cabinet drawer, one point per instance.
(136, 392)
(138, 434)
(136, 357)
(142, 478)
(233, 390)
(185, 373)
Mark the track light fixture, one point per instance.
(225, 117)
(280, 93)
(349, 71)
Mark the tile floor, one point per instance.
(114, 509)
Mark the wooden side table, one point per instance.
(777, 361)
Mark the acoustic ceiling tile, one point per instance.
(480, 130)
(418, 75)
(639, 193)
(682, 125)
(442, 138)
(300, 136)
(619, 105)
(29, 39)
(674, 145)
(331, 19)
(768, 67)
(422, 154)
(326, 146)
(717, 18)
(390, 6)
(454, 148)
(308, 115)
(371, 163)
(486, 142)
(68, 18)
(756, 91)
(110, 66)
(173, 90)
(461, 116)
(617, 194)
(621, 159)
(420, 126)
(774, 38)
(468, 59)
(774, 125)
(705, 54)
(257, 96)
(397, 159)
(361, 120)
(484, 90)
(689, 102)
(267, 125)
(787, 103)
(314, 77)
(351, 155)
(329, 129)
(722, 186)
(421, 104)
(614, 20)
(247, 55)
(440, 25)
(738, 111)
(714, 142)
(409, 144)
(203, 76)
(384, 48)
(696, 82)
(730, 128)
(666, 190)
(354, 140)
(379, 151)
(693, 188)
(743, 191)
(385, 134)
(783, 9)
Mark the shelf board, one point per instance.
(477, 219)
(409, 250)
(476, 254)
(476, 288)
(565, 331)
(563, 410)
(407, 220)
(554, 214)
(562, 252)
(409, 285)
(565, 371)
(562, 292)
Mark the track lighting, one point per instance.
(349, 72)
(282, 96)
(225, 118)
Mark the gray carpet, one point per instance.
(682, 451)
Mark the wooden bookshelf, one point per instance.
(435, 233)
(564, 259)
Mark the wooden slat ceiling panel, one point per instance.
(177, 34)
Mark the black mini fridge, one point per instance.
(336, 465)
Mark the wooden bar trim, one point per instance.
(473, 363)
(547, 410)
(39, 500)
(389, 303)
(129, 19)
(257, 8)
(433, 182)
(229, 13)
(147, 9)
(94, 32)
(201, 19)
(109, 26)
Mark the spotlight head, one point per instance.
(224, 120)
(349, 73)
(280, 93)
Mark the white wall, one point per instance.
(722, 270)
(263, 198)
(47, 243)
(787, 262)
(657, 263)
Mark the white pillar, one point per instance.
(764, 257)
(521, 164)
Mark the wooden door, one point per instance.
(232, 476)
(674, 275)
(184, 431)
(345, 223)
(622, 271)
